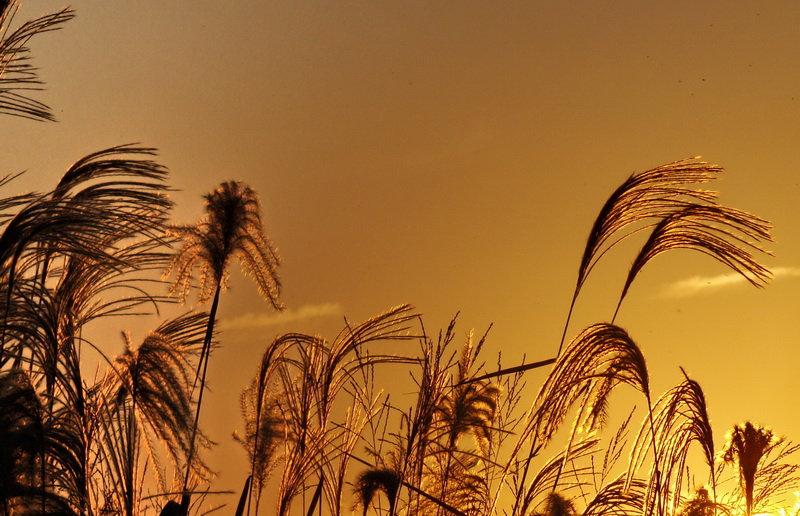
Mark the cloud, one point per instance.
(786, 272)
(703, 284)
(251, 320)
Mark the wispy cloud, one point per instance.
(706, 284)
(786, 272)
(252, 320)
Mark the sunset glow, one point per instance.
(408, 258)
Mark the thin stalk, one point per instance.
(656, 469)
(244, 498)
(616, 311)
(204, 355)
(571, 439)
(531, 454)
(129, 470)
(569, 316)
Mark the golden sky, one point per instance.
(453, 155)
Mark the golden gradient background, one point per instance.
(453, 155)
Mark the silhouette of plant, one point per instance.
(679, 418)
(18, 78)
(307, 373)
(22, 441)
(232, 227)
(759, 457)
(466, 407)
(370, 482)
(662, 200)
(88, 249)
(555, 505)
(469, 407)
(701, 505)
(146, 397)
(264, 431)
(617, 498)
(646, 196)
(723, 233)
(746, 445)
(599, 358)
(83, 233)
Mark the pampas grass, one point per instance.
(317, 426)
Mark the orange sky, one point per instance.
(453, 155)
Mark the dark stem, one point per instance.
(656, 469)
(566, 323)
(204, 354)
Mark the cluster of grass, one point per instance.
(319, 433)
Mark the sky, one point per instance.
(453, 155)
